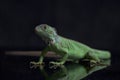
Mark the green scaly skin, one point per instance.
(67, 48)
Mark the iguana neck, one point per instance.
(57, 39)
(52, 40)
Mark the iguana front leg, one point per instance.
(62, 61)
(40, 62)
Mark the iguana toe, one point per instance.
(56, 64)
(36, 64)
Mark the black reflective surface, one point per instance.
(18, 68)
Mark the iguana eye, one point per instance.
(44, 27)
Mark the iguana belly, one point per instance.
(76, 54)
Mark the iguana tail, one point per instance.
(102, 54)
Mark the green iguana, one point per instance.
(67, 48)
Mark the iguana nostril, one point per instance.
(36, 28)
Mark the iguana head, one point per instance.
(46, 32)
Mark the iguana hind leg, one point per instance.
(92, 58)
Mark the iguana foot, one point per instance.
(56, 64)
(36, 64)
(93, 63)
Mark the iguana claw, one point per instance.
(36, 64)
(56, 64)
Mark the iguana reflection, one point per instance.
(71, 71)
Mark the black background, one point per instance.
(93, 22)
